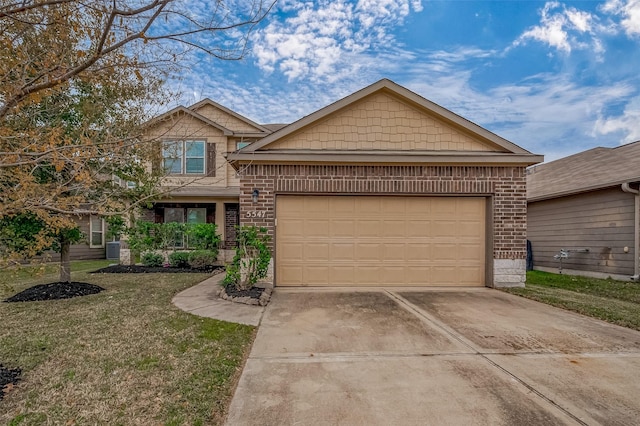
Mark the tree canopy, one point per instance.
(77, 81)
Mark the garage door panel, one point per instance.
(317, 204)
(314, 251)
(444, 228)
(418, 251)
(418, 206)
(418, 275)
(394, 275)
(342, 275)
(316, 274)
(342, 228)
(393, 227)
(367, 205)
(471, 228)
(394, 251)
(444, 252)
(419, 228)
(292, 227)
(290, 274)
(292, 251)
(444, 206)
(342, 251)
(380, 240)
(368, 252)
(467, 252)
(444, 275)
(468, 275)
(367, 274)
(369, 228)
(316, 228)
(343, 206)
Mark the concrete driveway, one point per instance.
(407, 357)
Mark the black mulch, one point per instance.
(254, 292)
(54, 291)
(8, 378)
(139, 269)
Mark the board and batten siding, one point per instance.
(601, 221)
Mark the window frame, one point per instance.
(92, 231)
(182, 144)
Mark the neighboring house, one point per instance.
(387, 188)
(94, 242)
(587, 205)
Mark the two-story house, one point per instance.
(200, 186)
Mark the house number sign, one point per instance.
(256, 213)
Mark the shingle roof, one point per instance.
(589, 170)
(274, 127)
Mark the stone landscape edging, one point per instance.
(262, 301)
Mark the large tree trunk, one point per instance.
(65, 260)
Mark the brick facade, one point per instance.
(506, 186)
(231, 220)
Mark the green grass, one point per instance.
(617, 302)
(123, 356)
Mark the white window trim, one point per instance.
(91, 230)
(183, 157)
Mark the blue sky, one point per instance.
(553, 77)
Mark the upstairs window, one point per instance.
(184, 157)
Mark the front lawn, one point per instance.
(123, 356)
(617, 302)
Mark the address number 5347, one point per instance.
(255, 213)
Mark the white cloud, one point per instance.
(630, 12)
(565, 28)
(628, 124)
(326, 40)
(547, 114)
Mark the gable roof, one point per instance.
(594, 169)
(192, 111)
(207, 101)
(506, 151)
(187, 111)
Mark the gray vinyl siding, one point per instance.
(601, 221)
(82, 250)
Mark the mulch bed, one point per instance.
(8, 379)
(139, 269)
(254, 292)
(53, 291)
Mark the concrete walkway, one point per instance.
(203, 300)
(440, 357)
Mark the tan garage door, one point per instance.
(379, 240)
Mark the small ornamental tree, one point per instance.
(26, 235)
(251, 261)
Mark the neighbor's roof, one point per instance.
(589, 170)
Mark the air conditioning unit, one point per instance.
(113, 250)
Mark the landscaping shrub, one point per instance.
(251, 261)
(179, 259)
(152, 259)
(203, 258)
(203, 236)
